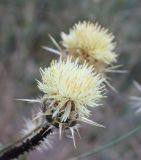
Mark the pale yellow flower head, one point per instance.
(69, 89)
(92, 43)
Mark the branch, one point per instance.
(28, 145)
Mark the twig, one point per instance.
(28, 145)
(7, 147)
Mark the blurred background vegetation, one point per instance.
(24, 28)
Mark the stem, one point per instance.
(28, 145)
(108, 145)
(7, 147)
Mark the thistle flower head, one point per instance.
(92, 43)
(69, 89)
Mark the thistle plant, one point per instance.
(71, 86)
(69, 89)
